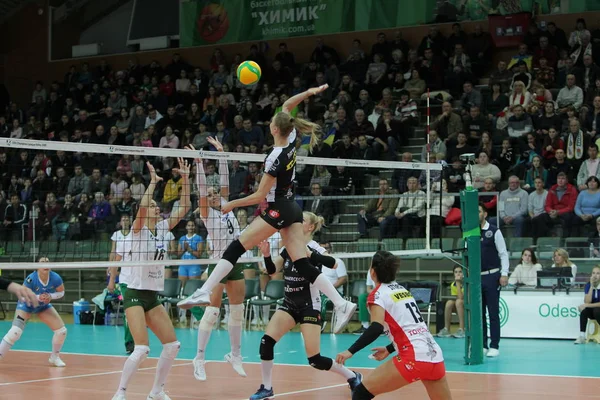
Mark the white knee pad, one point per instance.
(60, 334)
(170, 350)
(236, 314)
(13, 335)
(209, 319)
(139, 354)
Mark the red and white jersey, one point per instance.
(404, 324)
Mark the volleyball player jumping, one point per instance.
(301, 305)
(140, 299)
(47, 286)
(419, 357)
(222, 229)
(283, 213)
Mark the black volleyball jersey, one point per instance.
(281, 164)
(299, 292)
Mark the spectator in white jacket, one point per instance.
(526, 272)
(590, 167)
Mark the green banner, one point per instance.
(206, 22)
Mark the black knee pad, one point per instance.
(321, 363)
(234, 251)
(267, 345)
(307, 270)
(361, 393)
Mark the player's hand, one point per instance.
(45, 298)
(317, 90)
(582, 307)
(265, 248)
(153, 177)
(184, 167)
(215, 142)
(342, 357)
(24, 294)
(226, 208)
(379, 353)
(191, 147)
(503, 280)
(110, 287)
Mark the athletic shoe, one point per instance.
(119, 396)
(198, 298)
(236, 363)
(354, 382)
(199, 369)
(493, 352)
(159, 396)
(262, 393)
(343, 314)
(459, 334)
(443, 333)
(580, 340)
(360, 331)
(56, 361)
(485, 351)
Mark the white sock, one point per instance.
(140, 353)
(234, 326)
(208, 321)
(267, 369)
(165, 362)
(341, 370)
(58, 339)
(222, 269)
(326, 287)
(365, 325)
(4, 348)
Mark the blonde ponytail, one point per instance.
(316, 221)
(305, 127)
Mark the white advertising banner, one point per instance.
(539, 314)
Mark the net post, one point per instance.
(469, 200)
(428, 185)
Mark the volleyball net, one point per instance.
(68, 202)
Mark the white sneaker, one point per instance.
(443, 333)
(493, 352)
(343, 315)
(159, 396)
(199, 370)
(119, 396)
(236, 363)
(485, 351)
(580, 340)
(56, 361)
(198, 298)
(459, 334)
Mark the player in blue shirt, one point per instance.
(47, 286)
(191, 246)
(590, 309)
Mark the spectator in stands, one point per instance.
(474, 126)
(172, 189)
(560, 207)
(359, 126)
(479, 48)
(319, 205)
(570, 95)
(522, 75)
(587, 207)
(557, 36)
(415, 85)
(502, 76)
(580, 32)
(435, 146)
(98, 216)
(495, 102)
(377, 209)
(589, 168)
(15, 216)
(408, 215)
(512, 206)
(537, 170)
(523, 55)
(457, 303)
(590, 309)
(561, 260)
(363, 310)
(525, 273)
(79, 183)
(545, 50)
(440, 207)
(484, 169)
(536, 207)
(448, 124)
(470, 97)
(560, 164)
(519, 124)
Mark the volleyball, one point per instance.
(248, 72)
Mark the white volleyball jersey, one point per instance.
(149, 246)
(222, 230)
(404, 324)
(123, 249)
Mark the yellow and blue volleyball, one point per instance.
(248, 73)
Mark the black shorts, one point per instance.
(282, 213)
(302, 315)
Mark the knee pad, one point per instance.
(234, 251)
(139, 354)
(60, 334)
(170, 350)
(267, 345)
(13, 335)
(361, 393)
(236, 314)
(307, 270)
(319, 362)
(209, 319)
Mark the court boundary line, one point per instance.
(308, 366)
(307, 390)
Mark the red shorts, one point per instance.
(414, 371)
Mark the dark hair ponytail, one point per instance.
(385, 265)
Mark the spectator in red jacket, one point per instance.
(560, 206)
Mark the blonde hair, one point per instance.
(315, 220)
(565, 255)
(286, 124)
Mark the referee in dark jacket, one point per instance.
(494, 274)
(23, 293)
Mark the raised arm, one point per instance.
(293, 101)
(223, 168)
(140, 218)
(184, 198)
